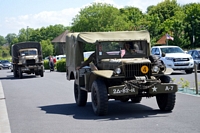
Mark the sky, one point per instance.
(18, 14)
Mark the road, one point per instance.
(46, 105)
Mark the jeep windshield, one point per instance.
(28, 52)
(122, 49)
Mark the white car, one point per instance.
(174, 58)
(59, 57)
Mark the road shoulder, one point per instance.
(4, 121)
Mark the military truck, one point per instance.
(119, 75)
(27, 58)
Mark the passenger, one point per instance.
(128, 49)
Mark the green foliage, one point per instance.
(98, 17)
(173, 80)
(47, 48)
(191, 24)
(61, 65)
(5, 52)
(133, 17)
(184, 83)
(2, 41)
(46, 64)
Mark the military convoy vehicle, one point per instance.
(27, 58)
(119, 75)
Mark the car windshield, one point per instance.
(172, 50)
(5, 61)
(28, 52)
(122, 49)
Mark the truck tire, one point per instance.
(136, 99)
(80, 95)
(15, 73)
(42, 73)
(20, 73)
(189, 71)
(166, 101)
(99, 98)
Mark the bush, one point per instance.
(46, 64)
(61, 65)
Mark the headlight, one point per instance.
(169, 58)
(117, 70)
(155, 69)
(191, 58)
(36, 60)
(24, 61)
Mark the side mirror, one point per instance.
(163, 54)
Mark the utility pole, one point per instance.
(27, 33)
(193, 37)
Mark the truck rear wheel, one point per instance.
(166, 101)
(80, 95)
(20, 73)
(99, 97)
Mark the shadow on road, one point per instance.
(116, 111)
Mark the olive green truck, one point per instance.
(27, 58)
(118, 75)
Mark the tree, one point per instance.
(10, 37)
(133, 17)
(192, 24)
(2, 40)
(98, 17)
(161, 18)
(47, 48)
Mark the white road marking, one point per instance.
(4, 121)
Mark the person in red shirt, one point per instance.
(54, 60)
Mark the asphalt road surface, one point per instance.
(47, 105)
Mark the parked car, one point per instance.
(5, 64)
(59, 57)
(174, 58)
(11, 67)
(195, 53)
(1, 66)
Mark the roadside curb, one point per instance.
(4, 121)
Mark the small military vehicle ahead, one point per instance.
(27, 58)
(121, 72)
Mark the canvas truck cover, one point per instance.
(24, 45)
(74, 49)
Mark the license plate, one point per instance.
(122, 90)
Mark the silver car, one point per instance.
(195, 53)
(5, 64)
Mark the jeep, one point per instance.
(119, 75)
